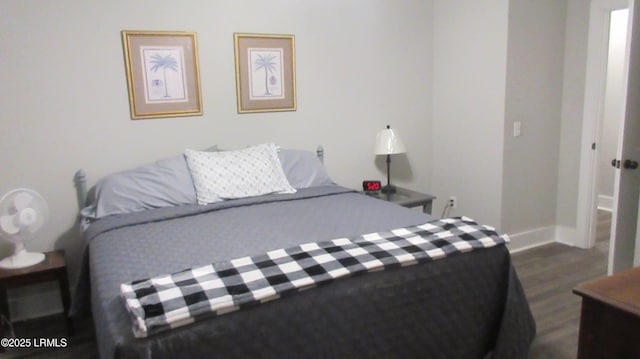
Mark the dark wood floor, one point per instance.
(548, 275)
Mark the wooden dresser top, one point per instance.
(621, 290)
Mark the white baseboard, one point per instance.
(605, 203)
(531, 239)
(545, 235)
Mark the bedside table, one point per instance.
(53, 268)
(406, 198)
(610, 316)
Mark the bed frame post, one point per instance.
(80, 180)
(320, 153)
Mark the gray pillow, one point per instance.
(163, 183)
(303, 168)
(168, 182)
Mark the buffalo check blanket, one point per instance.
(174, 300)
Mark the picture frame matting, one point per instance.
(265, 72)
(162, 72)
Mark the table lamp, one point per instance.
(388, 143)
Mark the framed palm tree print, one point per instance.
(265, 72)
(162, 73)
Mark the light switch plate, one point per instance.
(517, 126)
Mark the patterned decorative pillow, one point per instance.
(249, 172)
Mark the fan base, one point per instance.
(22, 259)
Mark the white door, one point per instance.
(627, 182)
(636, 258)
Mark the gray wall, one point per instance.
(494, 65)
(451, 76)
(575, 64)
(534, 98)
(469, 55)
(65, 106)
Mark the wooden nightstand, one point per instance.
(610, 316)
(407, 198)
(53, 268)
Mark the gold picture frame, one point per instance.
(265, 72)
(163, 77)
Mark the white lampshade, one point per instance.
(388, 142)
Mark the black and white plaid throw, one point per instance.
(174, 300)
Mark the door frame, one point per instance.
(595, 83)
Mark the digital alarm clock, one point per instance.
(371, 186)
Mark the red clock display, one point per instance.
(371, 186)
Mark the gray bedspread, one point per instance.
(466, 306)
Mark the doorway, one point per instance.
(610, 123)
(605, 94)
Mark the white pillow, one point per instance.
(249, 172)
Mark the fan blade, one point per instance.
(22, 200)
(27, 217)
(8, 224)
(39, 223)
(31, 222)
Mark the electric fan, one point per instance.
(22, 213)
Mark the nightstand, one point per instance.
(53, 268)
(610, 316)
(406, 198)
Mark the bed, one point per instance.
(467, 305)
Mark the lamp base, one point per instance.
(388, 189)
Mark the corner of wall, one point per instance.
(566, 235)
(531, 239)
(570, 236)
